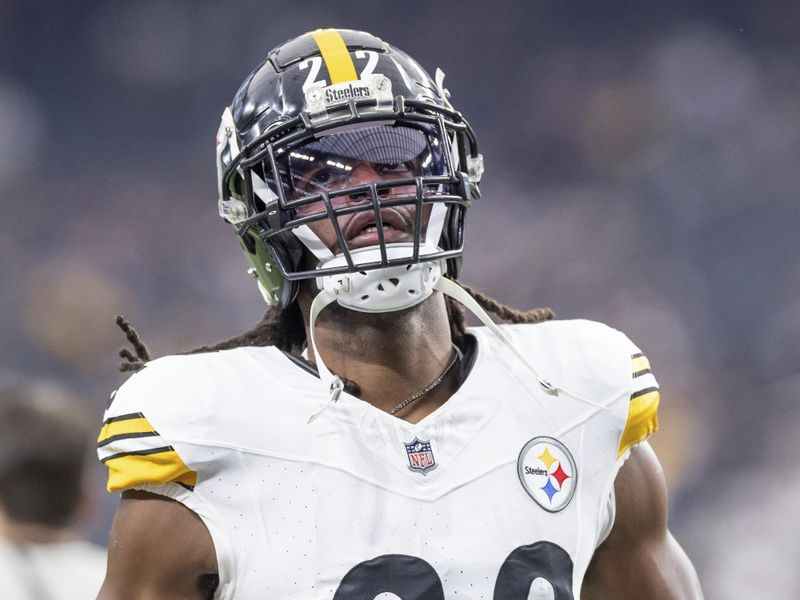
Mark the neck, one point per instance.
(390, 355)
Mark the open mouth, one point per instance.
(374, 229)
(362, 230)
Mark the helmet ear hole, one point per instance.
(265, 260)
(284, 258)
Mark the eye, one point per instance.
(314, 180)
(320, 177)
(401, 169)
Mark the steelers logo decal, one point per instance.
(547, 471)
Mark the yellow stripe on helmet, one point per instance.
(335, 54)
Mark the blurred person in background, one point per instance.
(44, 442)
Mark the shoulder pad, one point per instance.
(134, 441)
(644, 399)
(599, 362)
(584, 357)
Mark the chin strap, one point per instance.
(323, 299)
(455, 291)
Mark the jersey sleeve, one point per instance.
(642, 417)
(130, 443)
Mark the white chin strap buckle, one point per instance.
(381, 290)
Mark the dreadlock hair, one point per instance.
(285, 330)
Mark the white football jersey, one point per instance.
(502, 493)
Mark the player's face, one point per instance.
(360, 228)
(357, 159)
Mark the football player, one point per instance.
(360, 442)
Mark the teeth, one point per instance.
(373, 228)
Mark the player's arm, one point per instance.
(640, 560)
(158, 550)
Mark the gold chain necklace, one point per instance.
(427, 388)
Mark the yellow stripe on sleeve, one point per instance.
(640, 363)
(133, 425)
(335, 54)
(126, 472)
(642, 420)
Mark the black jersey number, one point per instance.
(543, 560)
(408, 577)
(411, 578)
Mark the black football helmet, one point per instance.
(318, 109)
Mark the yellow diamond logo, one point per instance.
(547, 458)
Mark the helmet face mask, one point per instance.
(309, 169)
(393, 171)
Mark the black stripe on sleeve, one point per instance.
(635, 395)
(138, 453)
(111, 399)
(125, 436)
(642, 372)
(128, 417)
(637, 355)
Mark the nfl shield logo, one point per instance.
(420, 456)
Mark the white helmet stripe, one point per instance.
(312, 242)
(435, 226)
(261, 189)
(226, 138)
(227, 123)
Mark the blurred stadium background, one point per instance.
(642, 170)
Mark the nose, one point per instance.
(364, 173)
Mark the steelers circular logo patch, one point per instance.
(547, 471)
